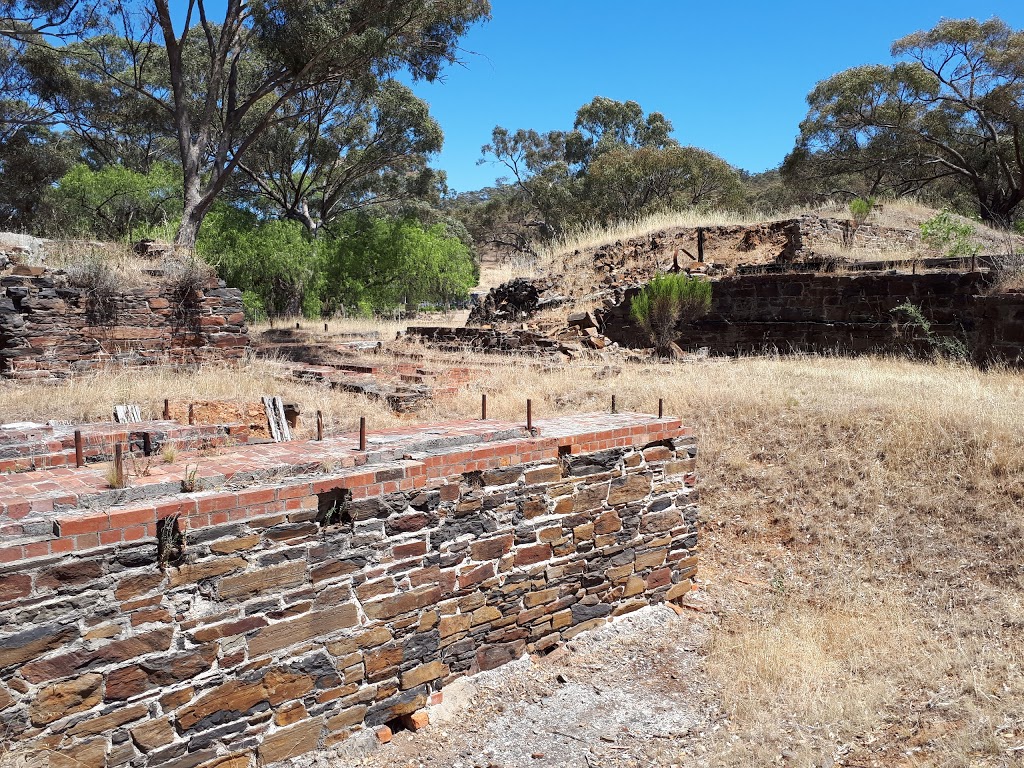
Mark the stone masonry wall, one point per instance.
(845, 313)
(50, 330)
(327, 590)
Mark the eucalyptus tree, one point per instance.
(951, 108)
(346, 148)
(222, 83)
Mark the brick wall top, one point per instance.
(74, 509)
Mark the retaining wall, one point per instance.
(52, 330)
(845, 313)
(318, 590)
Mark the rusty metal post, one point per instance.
(613, 403)
(191, 414)
(79, 449)
(167, 409)
(319, 425)
(661, 408)
(119, 465)
(147, 444)
(529, 415)
(483, 407)
(325, 327)
(700, 244)
(362, 433)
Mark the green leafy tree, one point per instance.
(224, 83)
(626, 182)
(274, 262)
(665, 303)
(114, 202)
(950, 110)
(343, 151)
(380, 263)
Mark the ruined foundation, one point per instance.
(284, 596)
(49, 329)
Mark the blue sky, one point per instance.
(732, 77)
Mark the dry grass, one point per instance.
(92, 397)
(595, 236)
(346, 328)
(862, 538)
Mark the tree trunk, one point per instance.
(193, 211)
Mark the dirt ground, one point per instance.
(619, 696)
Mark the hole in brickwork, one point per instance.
(332, 507)
(170, 542)
(397, 724)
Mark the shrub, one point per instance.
(948, 347)
(954, 238)
(667, 301)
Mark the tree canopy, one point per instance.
(950, 110)
(218, 86)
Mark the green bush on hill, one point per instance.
(667, 301)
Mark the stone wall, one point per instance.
(318, 590)
(49, 329)
(845, 313)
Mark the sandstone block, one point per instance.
(424, 674)
(540, 475)
(389, 607)
(291, 742)
(492, 549)
(154, 734)
(62, 699)
(302, 629)
(609, 522)
(281, 576)
(591, 497)
(347, 719)
(629, 488)
(109, 721)
(193, 572)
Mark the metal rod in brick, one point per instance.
(119, 465)
(325, 327)
(483, 407)
(79, 449)
(167, 409)
(529, 415)
(147, 444)
(613, 403)
(319, 425)
(661, 408)
(362, 433)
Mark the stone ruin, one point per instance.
(50, 328)
(279, 598)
